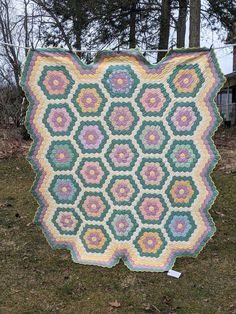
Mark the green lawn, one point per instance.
(37, 279)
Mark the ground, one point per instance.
(37, 279)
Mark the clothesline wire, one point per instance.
(88, 50)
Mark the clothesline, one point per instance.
(88, 50)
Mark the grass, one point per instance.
(36, 279)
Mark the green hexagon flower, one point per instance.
(95, 238)
(61, 155)
(120, 80)
(56, 82)
(66, 221)
(122, 190)
(152, 173)
(89, 100)
(151, 208)
(91, 137)
(92, 172)
(150, 242)
(94, 206)
(183, 155)
(180, 226)
(122, 224)
(152, 137)
(59, 119)
(64, 189)
(184, 118)
(153, 99)
(121, 155)
(121, 118)
(186, 80)
(181, 191)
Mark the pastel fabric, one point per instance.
(123, 152)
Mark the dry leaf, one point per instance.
(115, 304)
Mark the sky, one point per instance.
(224, 55)
(225, 59)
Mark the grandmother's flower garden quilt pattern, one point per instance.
(122, 152)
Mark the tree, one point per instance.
(54, 27)
(132, 24)
(194, 23)
(17, 30)
(231, 39)
(102, 23)
(9, 34)
(164, 27)
(181, 23)
(220, 13)
(10, 58)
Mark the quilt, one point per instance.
(122, 151)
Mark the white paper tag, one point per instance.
(174, 273)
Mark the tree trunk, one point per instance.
(234, 58)
(233, 40)
(194, 24)
(181, 23)
(78, 23)
(26, 27)
(164, 28)
(77, 32)
(132, 25)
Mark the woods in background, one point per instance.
(99, 24)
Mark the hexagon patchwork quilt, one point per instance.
(122, 151)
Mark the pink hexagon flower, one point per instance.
(91, 136)
(92, 172)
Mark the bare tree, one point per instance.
(17, 28)
(8, 29)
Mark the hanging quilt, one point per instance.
(122, 152)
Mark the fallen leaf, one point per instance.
(219, 213)
(115, 304)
